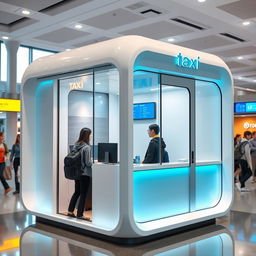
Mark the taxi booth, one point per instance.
(118, 88)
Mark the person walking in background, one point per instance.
(253, 155)
(246, 161)
(3, 154)
(237, 157)
(83, 182)
(15, 162)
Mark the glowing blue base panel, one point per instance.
(208, 186)
(160, 193)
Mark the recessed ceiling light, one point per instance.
(254, 80)
(5, 37)
(78, 26)
(246, 23)
(239, 77)
(68, 49)
(201, 1)
(98, 83)
(25, 12)
(171, 39)
(240, 57)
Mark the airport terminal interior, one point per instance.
(156, 103)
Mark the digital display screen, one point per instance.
(145, 110)
(245, 107)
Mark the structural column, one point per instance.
(11, 117)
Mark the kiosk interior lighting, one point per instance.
(25, 12)
(78, 26)
(5, 37)
(246, 23)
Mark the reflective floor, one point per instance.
(233, 235)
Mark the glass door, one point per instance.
(191, 128)
(178, 128)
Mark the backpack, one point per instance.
(239, 150)
(73, 165)
(165, 157)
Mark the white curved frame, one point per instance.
(39, 131)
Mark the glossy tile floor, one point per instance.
(233, 235)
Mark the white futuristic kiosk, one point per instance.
(118, 88)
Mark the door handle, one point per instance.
(192, 157)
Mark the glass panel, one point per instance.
(160, 193)
(75, 112)
(22, 62)
(146, 111)
(106, 115)
(3, 59)
(176, 123)
(208, 186)
(208, 122)
(40, 53)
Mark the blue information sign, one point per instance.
(245, 107)
(144, 111)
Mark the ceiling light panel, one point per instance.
(244, 9)
(113, 19)
(62, 35)
(157, 30)
(234, 64)
(237, 51)
(206, 42)
(136, 6)
(8, 18)
(34, 5)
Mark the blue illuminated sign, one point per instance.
(245, 107)
(186, 62)
(143, 111)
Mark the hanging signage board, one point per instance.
(10, 105)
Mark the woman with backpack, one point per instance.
(83, 181)
(3, 154)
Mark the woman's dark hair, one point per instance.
(84, 136)
(1, 134)
(17, 141)
(236, 137)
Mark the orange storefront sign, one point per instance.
(242, 124)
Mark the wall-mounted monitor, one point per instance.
(146, 110)
(245, 107)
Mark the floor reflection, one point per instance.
(41, 240)
(11, 226)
